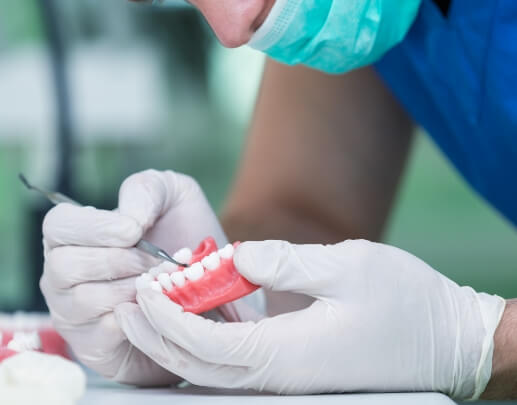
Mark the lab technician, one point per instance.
(322, 164)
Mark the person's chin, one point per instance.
(234, 21)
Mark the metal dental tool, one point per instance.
(143, 245)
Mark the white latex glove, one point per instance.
(90, 266)
(383, 321)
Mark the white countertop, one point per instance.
(110, 395)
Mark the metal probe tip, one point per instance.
(25, 181)
(165, 256)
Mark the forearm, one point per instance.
(322, 161)
(276, 222)
(503, 383)
(321, 164)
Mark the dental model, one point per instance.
(24, 332)
(34, 363)
(210, 280)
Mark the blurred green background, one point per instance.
(152, 88)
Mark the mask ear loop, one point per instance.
(274, 25)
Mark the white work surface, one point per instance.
(109, 395)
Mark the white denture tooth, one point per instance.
(168, 267)
(211, 262)
(178, 278)
(194, 272)
(155, 285)
(165, 281)
(34, 341)
(23, 341)
(155, 271)
(227, 251)
(183, 255)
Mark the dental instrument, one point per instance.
(210, 281)
(143, 245)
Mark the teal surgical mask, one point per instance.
(334, 36)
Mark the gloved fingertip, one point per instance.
(53, 217)
(253, 259)
(67, 224)
(153, 301)
(141, 197)
(130, 231)
(244, 258)
(143, 221)
(161, 312)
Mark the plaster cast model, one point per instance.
(33, 377)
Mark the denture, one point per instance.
(29, 332)
(209, 281)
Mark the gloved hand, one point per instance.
(90, 266)
(383, 320)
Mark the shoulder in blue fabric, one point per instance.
(457, 77)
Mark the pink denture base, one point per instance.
(215, 288)
(51, 342)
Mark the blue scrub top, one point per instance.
(456, 75)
